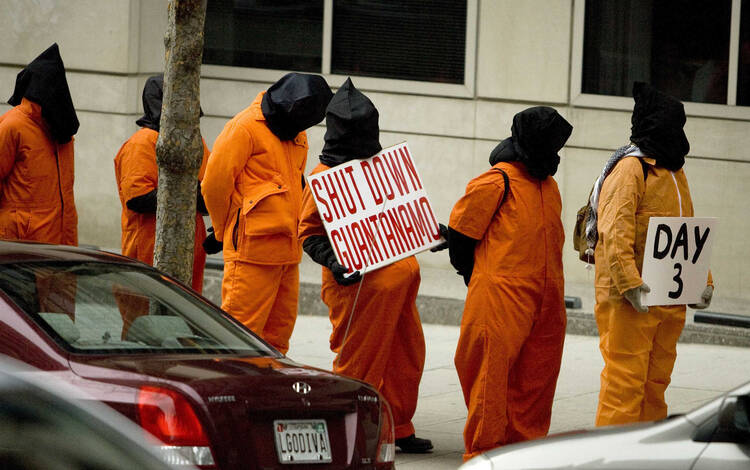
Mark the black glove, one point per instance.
(200, 204)
(211, 245)
(143, 204)
(319, 248)
(461, 249)
(445, 234)
(339, 271)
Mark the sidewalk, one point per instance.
(701, 373)
(442, 293)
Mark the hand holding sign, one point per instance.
(676, 259)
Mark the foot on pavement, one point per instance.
(414, 445)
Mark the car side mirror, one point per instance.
(734, 420)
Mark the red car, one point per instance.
(211, 392)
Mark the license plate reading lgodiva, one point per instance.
(302, 441)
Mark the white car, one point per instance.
(714, 436)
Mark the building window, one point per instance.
(682, 48)
(421, 40)
(743, 66)
(269, 34)
(418, 40)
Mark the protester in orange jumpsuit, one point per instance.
(383, 300)
(641, 180)
(36, 156)
(37, 169)
(253, 192)
(506, 239)
(137, 177)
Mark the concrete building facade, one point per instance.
(519, 53)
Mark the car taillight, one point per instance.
(168, 416)
(386, 441)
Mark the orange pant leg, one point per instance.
(392, 359)
(626, 342)
(533, 379)
(495, 324)
(661, 362)
(57, 293)
(280, 323)
(131, 306)
(403, 372)
(199, 255)
(250, 291)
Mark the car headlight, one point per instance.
(480, 462)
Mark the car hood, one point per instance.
(664, 445)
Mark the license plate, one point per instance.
(302, 441)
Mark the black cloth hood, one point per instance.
(43, 82)
(352, 129)
(294, 103)
(658, 121)
(537, 134)
(153, 93)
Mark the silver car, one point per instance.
(714, 436)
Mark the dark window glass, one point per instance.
(269, 34)
(682, 48)
(103, 308)
(410, 39)
(743, 71)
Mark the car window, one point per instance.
(97, 308)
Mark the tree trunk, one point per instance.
(179, 150)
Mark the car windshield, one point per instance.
(107, 308)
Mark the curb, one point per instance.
(447, 311)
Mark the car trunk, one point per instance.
(248, 404)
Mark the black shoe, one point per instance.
(414, 445)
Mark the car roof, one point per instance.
(23, 251)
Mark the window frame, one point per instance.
(464, 90)
(625, 103)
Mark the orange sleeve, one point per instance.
(138, 171)
(230, 154)
(310, 222)
(8, 148)
(473, 213)
(618, 201)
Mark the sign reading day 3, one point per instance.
(676, 259)
(376, 210)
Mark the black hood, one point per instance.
(658, 121)
(294, 103)
(537, 134)
(43, 82)
(153, 92)
(351, 127)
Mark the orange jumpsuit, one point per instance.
(513, 326)
(253, 192)
(36, 180)
(393, 359)
(137, 174)
(639, 349)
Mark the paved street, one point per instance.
(701, 372)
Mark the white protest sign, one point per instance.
(376, 210)
(676, 259)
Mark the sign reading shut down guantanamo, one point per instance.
(376, 210)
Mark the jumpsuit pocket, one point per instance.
(268, 226)
(267, 209)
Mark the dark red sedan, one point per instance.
(212, 393)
